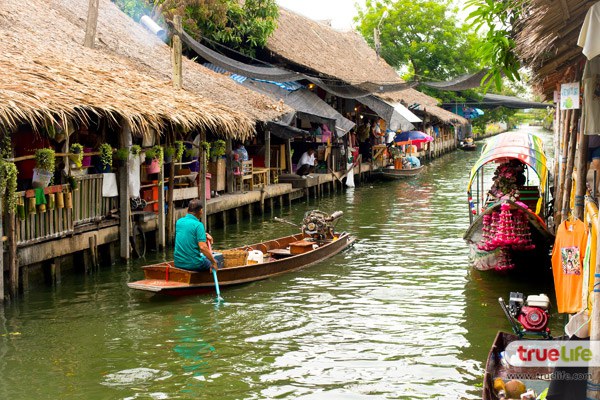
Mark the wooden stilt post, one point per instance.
(124, 194)
(268, 154)
(566, 198)
(229, 167)
(92, 23)
(176, 51)
(162, 220)
(13, 266)
(288, 151)
(170, 191)
(202, 184)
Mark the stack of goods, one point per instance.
(507, 230)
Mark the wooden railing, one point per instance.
(86, 206)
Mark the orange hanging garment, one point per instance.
(567, 265)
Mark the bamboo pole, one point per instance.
(13, 267)
(568, 186)
(202, 183)
(558, 189)
(92, 23)
(593, 384)
(229, 167)
(170, 192)
(268, 155)
(582, 167)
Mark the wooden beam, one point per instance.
(13, 267)
(229, 167)
(202, 183)
(176, 56)
(170, 205)
(92, 23)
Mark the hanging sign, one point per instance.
(569, 96)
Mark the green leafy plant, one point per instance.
(8, 185)
(76, 154)
(106, 154)
(155, 153)
(169, 152)
(135, 150)
(206, 147)
(122, 154)
(179, 148)
(44, 159)
(218, 148)
(72, 182)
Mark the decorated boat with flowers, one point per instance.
(508, 197)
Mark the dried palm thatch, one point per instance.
(118, 34)
(427, 105)
(547, 39)
(342, 55)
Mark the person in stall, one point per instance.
(192, 250)
(306, 164)
(241, 151)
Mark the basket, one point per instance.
(234, 258)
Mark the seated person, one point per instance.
(306, 164)
(414, 161)
(241, 151)
(192, 241)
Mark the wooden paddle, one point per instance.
(214, 272)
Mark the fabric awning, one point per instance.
(285, 131)
(395, 115)
(498, 100)
(307, 105)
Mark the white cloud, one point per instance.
(340, 12)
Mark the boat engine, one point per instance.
(532, 313)
(320, 225)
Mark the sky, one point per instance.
(340, 12)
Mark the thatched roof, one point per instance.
(427, 105)
(547, 40)
(119, 34)
(342, 55)
(46, 74)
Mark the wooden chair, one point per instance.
(246, 175)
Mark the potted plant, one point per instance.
(106, 153)
(76, 155)
(169, 154)
(122, 154)
(179, 148)
(44, 171)
(154, 159)
(217, 149)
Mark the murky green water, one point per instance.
(398, 316)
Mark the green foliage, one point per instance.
(169, 152)
(498, 48)
(242, 25)
(136, 9)
(205, 146)
(135, 150)
(422, 37)
(44, 159)
(122, 154)
(76, 154)
(8, 185)
(156, 153)
(106, 153)
(5, 145)
(179, 148)
(218, 148)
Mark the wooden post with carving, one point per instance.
(92, 23)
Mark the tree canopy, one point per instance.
(420, 37)
(243, 26)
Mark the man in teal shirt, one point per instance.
(191, 241)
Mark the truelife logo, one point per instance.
(552, 353)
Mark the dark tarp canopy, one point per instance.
(497, 100)
(284, 131)
(463, 82)
(275, 74)
(396, 116)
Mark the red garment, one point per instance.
(567, 265)
(25, 143)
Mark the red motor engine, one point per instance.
(532, 313)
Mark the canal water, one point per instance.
(400, 315)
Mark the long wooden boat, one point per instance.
(468, 147)
(494, 368)
(391, 173)
(166, 278)
(509, 230)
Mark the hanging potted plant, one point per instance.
(135, 150)
(76, 154)
(217, 150)
(155, 156)
(122, 154)
(106, 153)
(44, 171)
(169, 154)
(179, 148)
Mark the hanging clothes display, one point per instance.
(567, 265)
